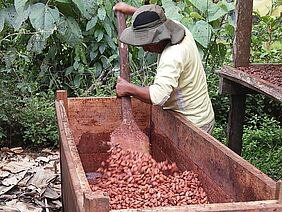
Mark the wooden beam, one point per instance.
(227, 86)
(235, 122)
(278, 194)
(63, 95)
(242, 40)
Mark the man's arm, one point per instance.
(125, 88)
(124, 8)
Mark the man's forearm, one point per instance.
(141, 93)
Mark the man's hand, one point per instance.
(122, 87)
(125, 88)
(124, 8)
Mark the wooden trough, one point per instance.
(231, 183)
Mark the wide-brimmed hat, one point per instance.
(149, 26)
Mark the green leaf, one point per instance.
(69, 70)
(215, 11)
(2, 19)
(202, 33)
(108, 29)
(196, 16)
(21, 18)
(93, 55)
(92, 23)
(102, 13)
(82, 8)
(63, 1)
(171, 10)
(20, 5)
(76, 81)
(43, 18)
(87, 8)
(70, 30)
(202, 5)
(36, 43)
(102, 48)
(99, 35)
(99, 68)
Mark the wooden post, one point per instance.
(235, 122)
(242, 40)
(63, 95)
(278, 193)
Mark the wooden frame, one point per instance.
(224, 174)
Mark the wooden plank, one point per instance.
(228, 171)
(251, 82)
(243, 29)
(278, 194)
(71, 192)
(62, 95)
(96, 202)
(227, 86)
(74, 179)
(102, 115)
(235, 122)
(256, 206)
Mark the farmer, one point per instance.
(180, 82)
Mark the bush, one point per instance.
(263, 145)
(38, 120)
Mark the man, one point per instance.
(180, 82)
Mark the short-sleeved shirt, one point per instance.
(180, 82)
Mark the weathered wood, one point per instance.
(243, 29)
(102, 115)
(74, 182)
(256, 206)
(246, 80)
(62, 95)
(232, 88)
(71, 191)
(278, 194)
(235, 122)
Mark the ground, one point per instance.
(30, 180)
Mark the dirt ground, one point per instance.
(30, 180)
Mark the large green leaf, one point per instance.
(20, 5)
(202, 5)
(215, 11)
(63, 1)
(92, 23)
(171, 10)
(86, 7)
(102, 13)
(202, 31)
(2, 19)
(36, 43)
(43, 18)
(70, 30)
(21, 18)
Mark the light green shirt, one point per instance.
(180, 82)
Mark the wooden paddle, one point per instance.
(128, 135)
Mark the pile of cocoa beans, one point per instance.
(135, 180)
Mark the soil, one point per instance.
(269, 73)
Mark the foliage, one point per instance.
(37, 119)
(263, 145)
(210, 23)
(266, 39)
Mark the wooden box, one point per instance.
(231, 183)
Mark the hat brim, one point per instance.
(168, 30)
